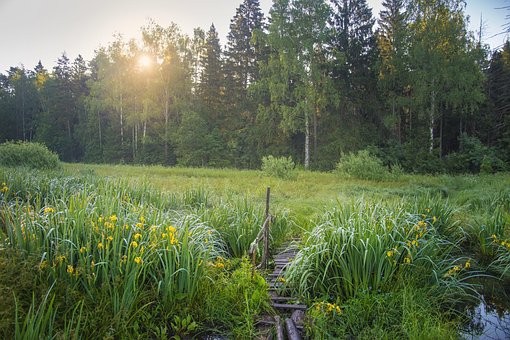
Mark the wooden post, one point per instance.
(266, 231)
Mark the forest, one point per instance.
(313, 80)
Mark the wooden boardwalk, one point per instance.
(288, 308)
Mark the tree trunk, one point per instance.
(315, 152)
(99, 130)
(121, 121)
(432, 112)
(441, 137)
(166, 123)
(307, 142)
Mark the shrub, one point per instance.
(362, 165)
(281, 167)
(31, 155)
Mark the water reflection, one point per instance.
(491, 318)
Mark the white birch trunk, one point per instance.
(307, 143)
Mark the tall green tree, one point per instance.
(211, 88)
(392, 44)
(498, 126)
(445, 77)
(298, 35)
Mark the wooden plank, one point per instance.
(292, 332)
(288, 306)
(283, 298)
(279, 328)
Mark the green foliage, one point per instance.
(280, 167)
(183, 326)
(234, 297)
(362, 247)
(409, 313)
(362, 165)
(473, 157)
(31, 155)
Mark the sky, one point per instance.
(33, 30)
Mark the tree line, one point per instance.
(313, 80)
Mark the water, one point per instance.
(491, 318)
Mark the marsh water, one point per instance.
(490, 319)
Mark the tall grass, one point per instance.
(368, 248)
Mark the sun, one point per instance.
(144, 61)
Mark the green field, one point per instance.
(98, 251)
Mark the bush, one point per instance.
(362, 165)
(281, 167)
(31, 155)
(473, 157)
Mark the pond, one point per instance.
(491, 318)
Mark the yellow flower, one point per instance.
(209, 232)
(139, 225)
(427, 210)
(468, 264)
(163, 235)
(137, 236)
(389, 253)
(422, 224)
(142, 219)
(43, 264)
(61, 258)
(113, 218)
(48, 210)
(110, 238)
(138, 260)
(100, 219)
(134, 244)
(415, 243)
(434, 219)
(4, 188)
(220, 265)
(407, 260)
(70, 269)
(171, 229)
(281, 279)
(100, 245)
(83, 250)
(123, 258)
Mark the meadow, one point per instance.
(101, 251)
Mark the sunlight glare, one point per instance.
(145, 61)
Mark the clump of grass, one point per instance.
(363, 165)
(238, 221)
(28, 154)
(280, 167)
(234, 298)
(108, 242)
(410, 313)
(367, 248)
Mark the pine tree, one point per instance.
(392, 43)
(211, 88)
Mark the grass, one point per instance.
(155, 252)
(306, 196)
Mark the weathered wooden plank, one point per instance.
(288, 306)
(292, 331)
(279, 328)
